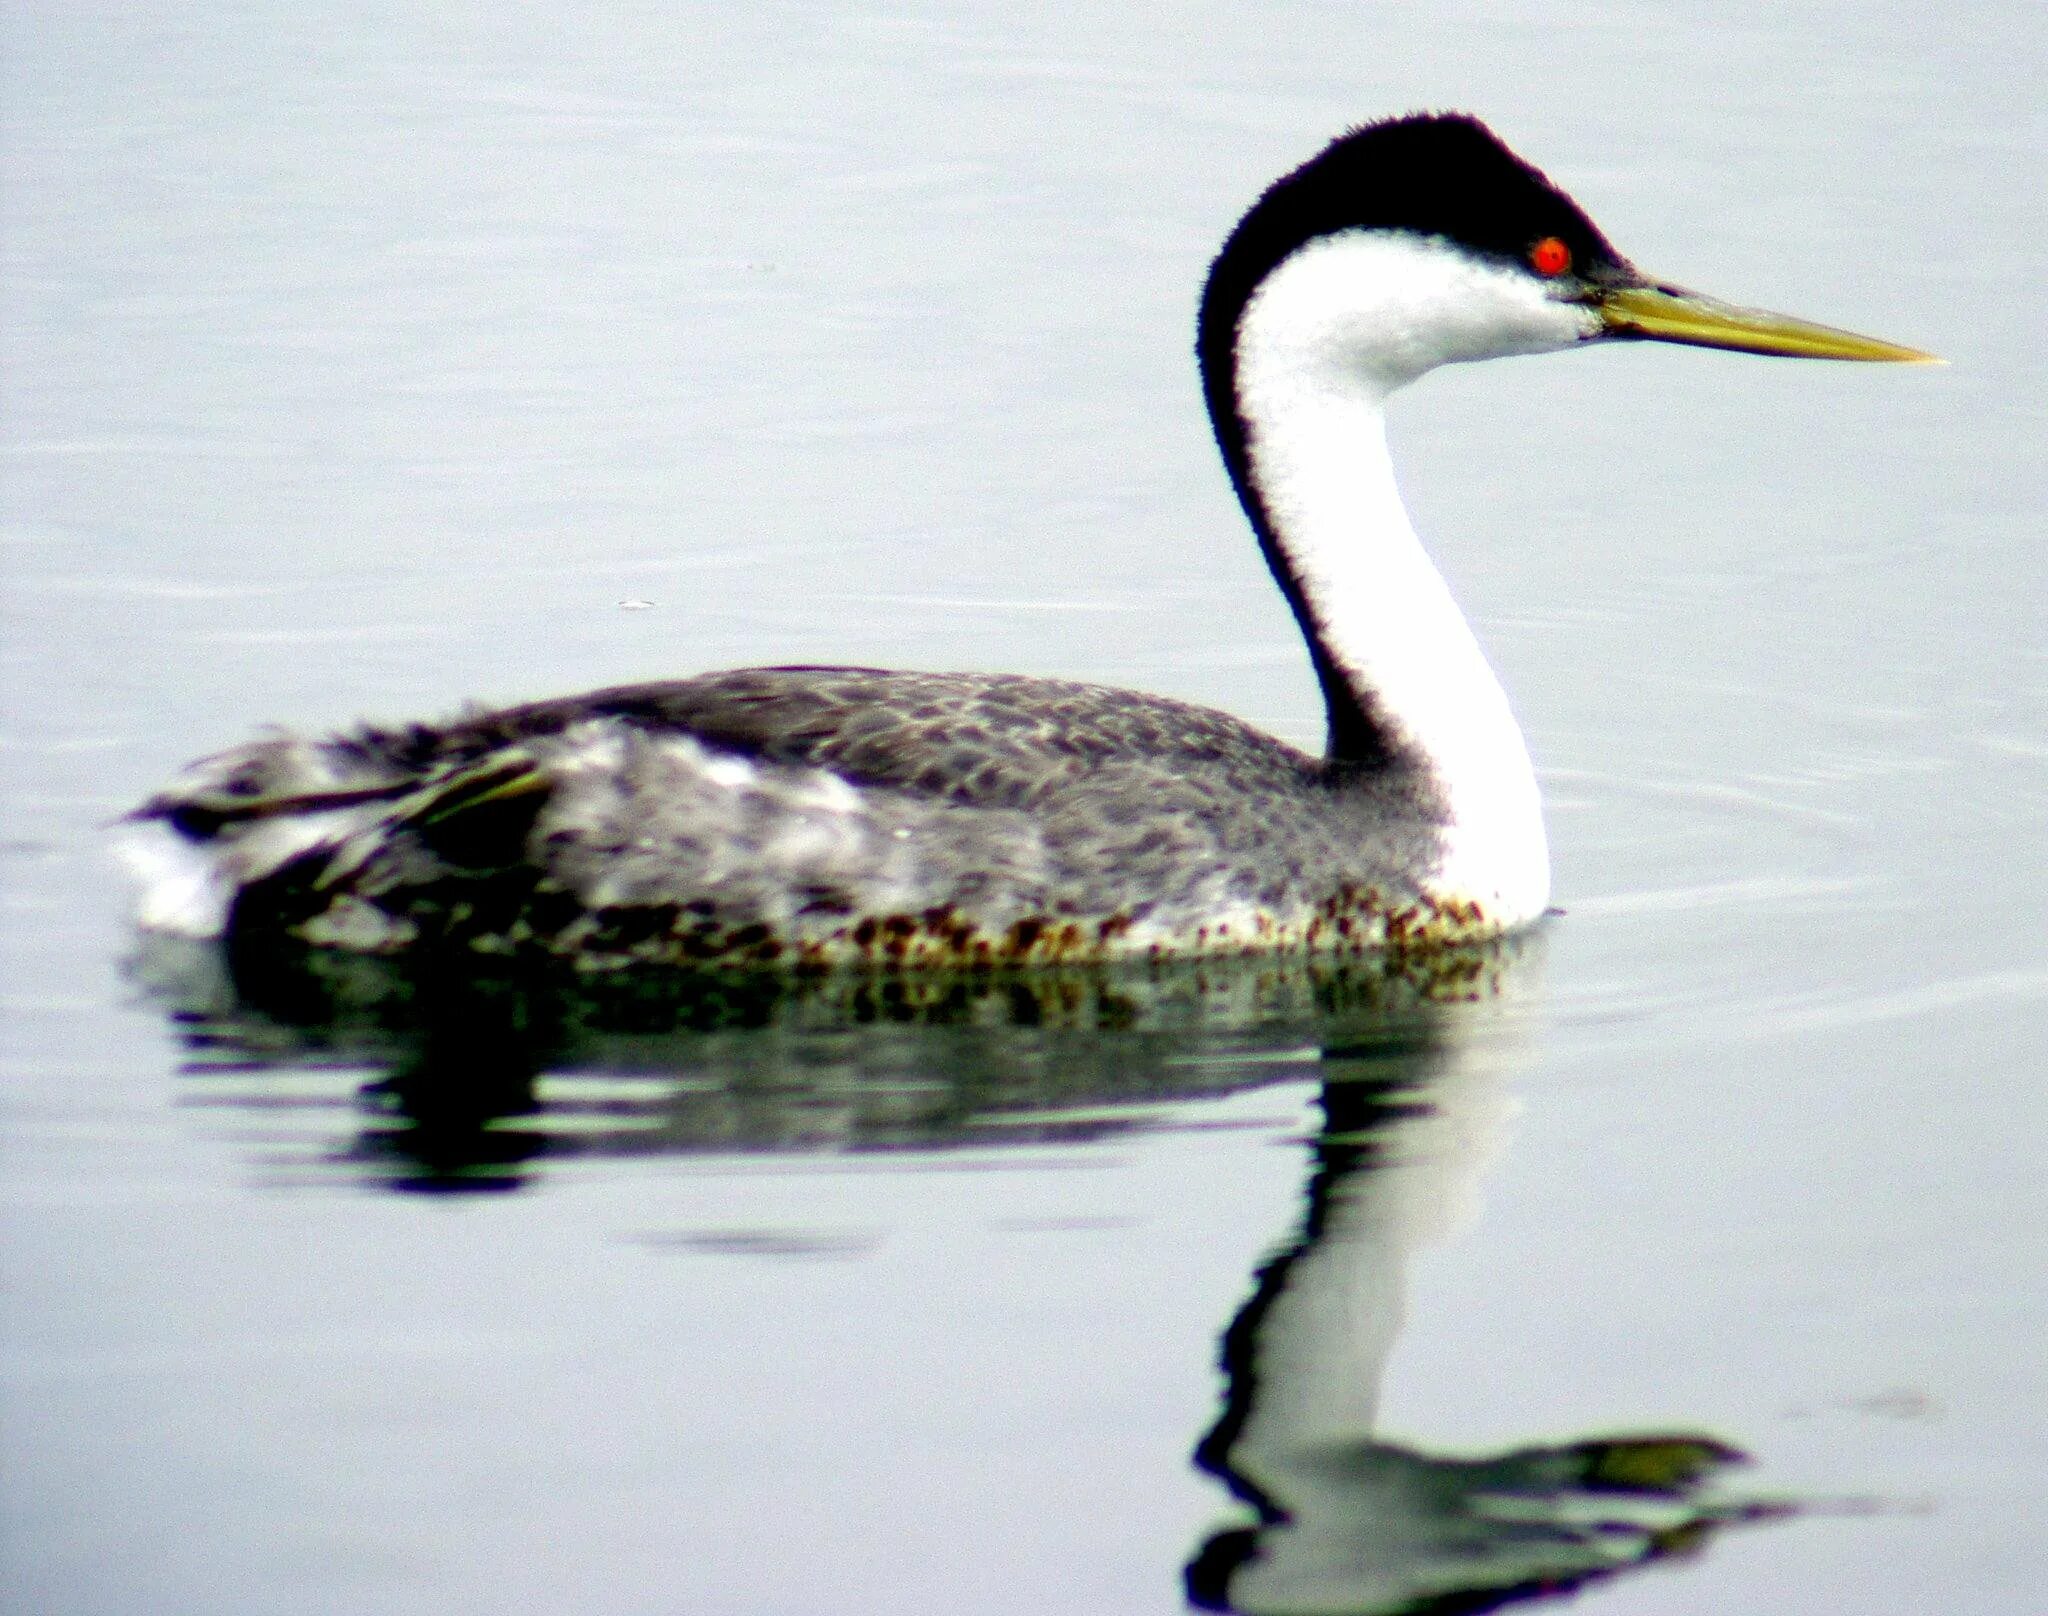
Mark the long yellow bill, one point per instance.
(1667, 314)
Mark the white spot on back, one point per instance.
(182, 889)
(729, 771)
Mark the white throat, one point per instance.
(1329, 334)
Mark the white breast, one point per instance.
(1329, 334)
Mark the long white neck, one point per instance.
(1329, 334)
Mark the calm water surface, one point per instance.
(358, 364)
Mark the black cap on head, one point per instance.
(1437, 174)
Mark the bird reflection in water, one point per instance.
(484, 1081)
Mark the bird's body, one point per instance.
(817, 816)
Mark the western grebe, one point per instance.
(812, 816)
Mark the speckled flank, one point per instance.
(1351, 922)
(821, 817)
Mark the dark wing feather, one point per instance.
(991, 740)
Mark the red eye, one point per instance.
(1550, 256)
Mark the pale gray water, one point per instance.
(359, 364)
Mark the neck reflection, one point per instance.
(1337, 1519)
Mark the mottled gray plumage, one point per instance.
(813, 815)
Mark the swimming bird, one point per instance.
(812, 816)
